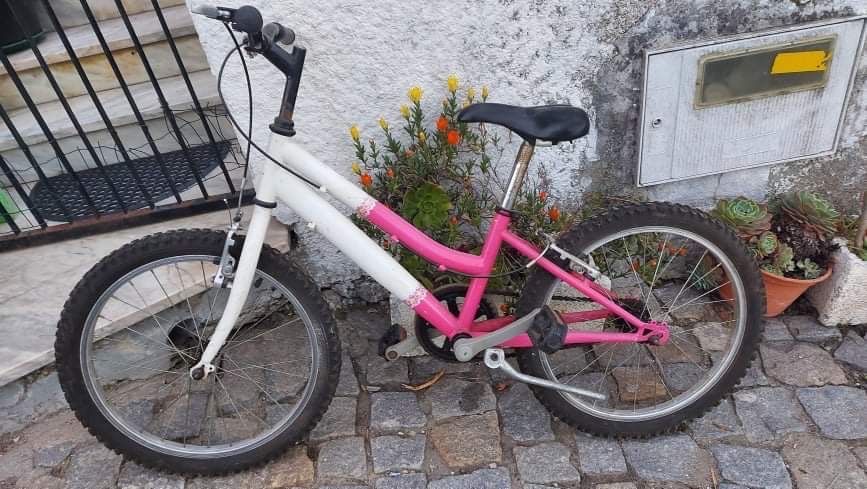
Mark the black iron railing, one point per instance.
(120, 182)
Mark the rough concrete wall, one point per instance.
(363, 56)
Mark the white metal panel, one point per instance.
(680, 141)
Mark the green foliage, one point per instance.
(747, 217)
(445, 180)
(427, 206)
(8, 205)
(809, 210)
(809, 268)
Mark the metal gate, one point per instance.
(111, 118)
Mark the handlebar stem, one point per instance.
(290, 64)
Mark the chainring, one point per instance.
(428, 336)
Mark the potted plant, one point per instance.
(14, 32)
(792, 244)
(444, 179)
(842, 299)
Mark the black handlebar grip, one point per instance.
(247, 19)
(278, 33)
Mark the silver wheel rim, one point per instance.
(169, 447)
(720, 367)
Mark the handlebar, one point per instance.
(248, 19)
(264, 40)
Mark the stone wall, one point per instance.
(363, 56)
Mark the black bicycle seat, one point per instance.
(554, 123)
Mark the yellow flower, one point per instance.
(355, 133)
(452, 83)
(356, 168)
(415, 94)
(471, 94)
(422, 137)
(485, 92)
(404, 111)
(383, 123)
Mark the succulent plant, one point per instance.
(809, 268)
(427, 206)
(766, 244)
(783, 261)
(810, 211)
(747, 217)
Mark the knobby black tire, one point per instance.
(177, 243)
(618, 219)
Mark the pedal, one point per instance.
(548, 330)
(391, 337)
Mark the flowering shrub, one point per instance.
(445, 181)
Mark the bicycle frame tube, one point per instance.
(310, 205)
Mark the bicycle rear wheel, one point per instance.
(140, 319)
(666, 263)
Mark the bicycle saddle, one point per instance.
(554, 123)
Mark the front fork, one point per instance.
(243, 280)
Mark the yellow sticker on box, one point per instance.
(800, 62)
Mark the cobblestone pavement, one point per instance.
(799, 419)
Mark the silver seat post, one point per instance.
(519, 171)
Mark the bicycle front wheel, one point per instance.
(140, 319)
(662, 262)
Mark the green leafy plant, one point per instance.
(445, 180)
(747, 217)
(791, 237)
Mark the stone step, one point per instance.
(84, 41)
(100, 74)
(115, 105)
(70, 13)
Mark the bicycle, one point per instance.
(164, 366)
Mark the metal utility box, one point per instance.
(746, 101)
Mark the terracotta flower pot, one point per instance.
(781, 292)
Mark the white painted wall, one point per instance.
(362, 57)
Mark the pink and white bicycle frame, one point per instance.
(312, 207)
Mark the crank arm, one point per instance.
(495, 358)
(400, 349)
(466, 348)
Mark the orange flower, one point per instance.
(409, 153)
(543, 196)
(504, 308)
(389, 172)
(453, 220)
(554, 213)
(442, 124)
(366, 179)
(453, 138)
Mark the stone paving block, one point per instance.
(768, 412)
(616, 485)
(680, 377)
(382, 372)
(467, 442)
(806, 328)
(293, 468)
(853, 352)
(11, 394)
(454, 397)
(394, 411)
(755, 376)
(397, 453)
(727, 485)
(52, 456)
(719, 423)
(801, 364)
(674, 458)
(481, 479)
(524, 417)
(343, 458)
(599, 456)
(92, 467)
(816, 462)
(840, 412)
(134, 476)
(752, 467)
(338, 421)
(233, 481)
(776, 330)
(43, 396)
(348, 383)
(402, 481)
(546, 463)
(861, 453)
(426, 366)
